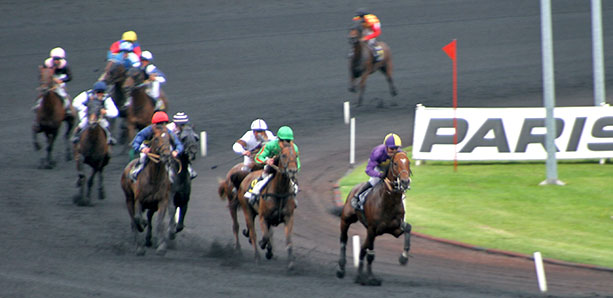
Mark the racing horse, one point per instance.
(362, 62)
(114, 76)
(150, 192)
(276, 204)
(93, 150)
(141, 106)
(383, 213)
(49, 117)
(182, 185)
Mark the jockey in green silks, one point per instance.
(266, 156)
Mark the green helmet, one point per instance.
(285, 133)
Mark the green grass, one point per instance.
(502, 206)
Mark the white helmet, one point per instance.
(146, 55)
(258, 124)
(57, 53)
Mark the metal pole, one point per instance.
(597, 56)
(548, 92)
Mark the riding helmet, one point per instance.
(146, 55)
(392, 140)
(285, 133)
(361, 12)
(159, 117)
(259, 124)
(99, 86)
(180, 118)
(57, 53)
(129, 36)
(126, 46)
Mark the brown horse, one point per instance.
(94, 151)
(228, 189)
(383, 213)
(49, 118)
(141, 108)
(276, 204)
(182, 185)
(150, 192)
(362, 62)
(114, 76)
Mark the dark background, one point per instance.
(229, 62)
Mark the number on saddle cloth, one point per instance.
(379, 53)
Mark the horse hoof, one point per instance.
(161, 250)
(352, 90)
(403, 260)
(180, 227)
(148, 243)
(373, 281)
(140, 251)
(269, 255)
(37, 146)
(340, 273)
(172, 235)
(101, 196)
(262, 244)
(290, 266)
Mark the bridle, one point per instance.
(396, 184)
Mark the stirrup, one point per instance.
(355, 203)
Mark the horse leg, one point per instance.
(35, 132)
(232, 207)
(69, 124)
(387, 72)
(342, 261)
(161, 228)
(90, 183)
(148, 236)
(362, 87)
(367, 250)
(249, 219)
(101, 194)
(289, 226)
(266, 242)
(172, 222)
(404, 257)
(182, 213)
(50, 163)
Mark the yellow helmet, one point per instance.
(129, 36)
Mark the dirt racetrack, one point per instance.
(229, 62)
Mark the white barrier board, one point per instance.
(511, 133)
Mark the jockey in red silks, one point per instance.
(376, 168)
(372, 29)
(129, 36)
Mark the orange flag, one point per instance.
(450, 49)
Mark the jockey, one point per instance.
(372, 29)
(377, 165)
(61, 75)
(251, 142)
(126, 56)
(139, 144)
(180, 119)
(154, 77)
(129, 36)
(98, 92)
(266, 156)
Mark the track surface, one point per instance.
(229, 62)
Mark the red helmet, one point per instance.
(159, 117)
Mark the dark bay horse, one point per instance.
(141, 108)
(362, 62)
(383, 213)
(114, 76)
(49, 118)
(92, 150)
(276, 204)
(150, 192)
(182, 185)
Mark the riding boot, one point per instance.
(136, 169)
(37, 105)
(355, 200)
(192, 172)
(254, 191)
(77, 135)
(110, 140)
(296, 190)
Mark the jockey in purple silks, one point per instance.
(378, 163)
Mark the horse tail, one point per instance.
(223, 189)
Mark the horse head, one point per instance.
(189, 139)
(134, 78)
(160, 144)
(46, 79)
(355, 32)
(287, 160)
(94, 108)
(399, 171)
(116, 74)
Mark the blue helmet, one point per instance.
(99, 86)
(126, 46)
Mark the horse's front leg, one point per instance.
(172, 221)
(35, 132)
(90, 183)
(387, 71)
(266, 242)
(181, 223)
(67, 143)
(362, 87)
(404, 257)
(161, 228)
(367, 251)
(289, 226)
(50, 141)
(232, 207)
(342, 261)
(249, 220)
(101, 194)
(148, 236)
